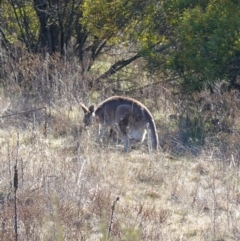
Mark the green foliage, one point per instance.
(115, 21)
(20, 21)
(202, 41)
(197, 40)
(209, 42)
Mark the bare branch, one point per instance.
(116, 67)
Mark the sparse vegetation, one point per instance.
(180, 59)
(67, 183)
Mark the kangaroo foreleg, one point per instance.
(101, 131)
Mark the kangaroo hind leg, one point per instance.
(124, 131)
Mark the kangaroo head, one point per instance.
(88, 114)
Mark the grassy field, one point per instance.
(72, 188)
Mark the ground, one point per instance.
(72, 188)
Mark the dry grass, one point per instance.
(68, 183)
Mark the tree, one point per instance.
(198, 41)
(84, 28)
(63, 26)
(204, 42)
(41, 24)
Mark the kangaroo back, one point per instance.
(106, 112)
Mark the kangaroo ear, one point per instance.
(84, 108)
(91, 108)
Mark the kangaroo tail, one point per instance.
(154, 136)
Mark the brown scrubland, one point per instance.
(58, 183)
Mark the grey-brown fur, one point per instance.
(129, 117)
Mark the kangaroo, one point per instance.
(129, 117)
